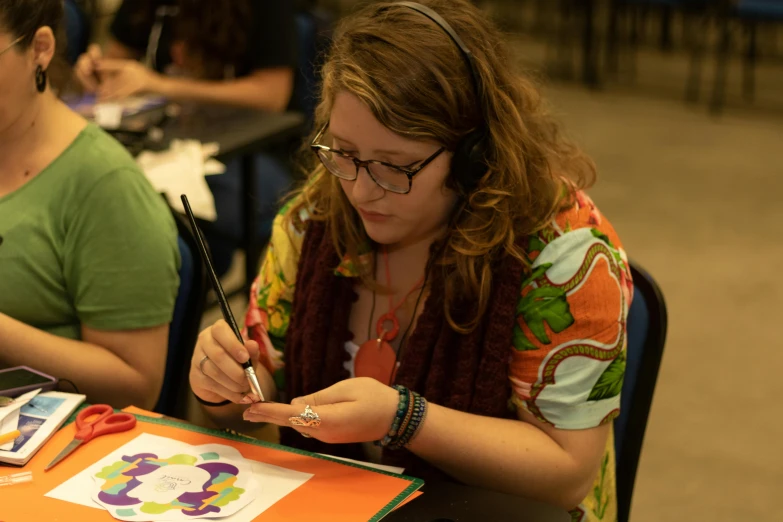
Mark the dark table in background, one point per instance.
(241, 133)
(445, 502)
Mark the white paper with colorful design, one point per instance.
(163, 479)
(84, 487)
(156, 478)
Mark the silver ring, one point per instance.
(307, 419)
(201, 363)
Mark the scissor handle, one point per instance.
(106, 422)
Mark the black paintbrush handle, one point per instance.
(221, 295)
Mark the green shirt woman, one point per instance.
(88, 257)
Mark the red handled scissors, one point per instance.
(94, 421)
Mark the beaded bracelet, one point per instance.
(411, 411)
(412, 428)
(402, 410)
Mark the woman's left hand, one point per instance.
(123, 78)
(353, 410)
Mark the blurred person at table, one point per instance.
(441, 243)
(88, 250)
(239, 52)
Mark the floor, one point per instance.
(696, 200)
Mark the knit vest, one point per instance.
(464, 372)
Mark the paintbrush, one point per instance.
(221, 295)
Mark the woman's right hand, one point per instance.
(86, 68)
(222, 376)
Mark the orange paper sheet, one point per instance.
(337, 492)
(414, 496)
(138, 411)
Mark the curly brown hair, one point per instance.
(413, 78)
(216, 33)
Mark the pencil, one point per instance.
(9, 436)
(250, 373)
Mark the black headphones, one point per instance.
(469, 163)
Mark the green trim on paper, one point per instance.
(415, 483)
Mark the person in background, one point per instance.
(239, 52)
(236, 53)
(442, 243)
(88, 250)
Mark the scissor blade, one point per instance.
(75, 443)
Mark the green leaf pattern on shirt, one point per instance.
(610, 383)
(545, 304)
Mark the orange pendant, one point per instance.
(376, 359)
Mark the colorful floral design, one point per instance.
(569, 342)
(123, 477)
(567, 354)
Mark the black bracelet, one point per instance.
(211, 404)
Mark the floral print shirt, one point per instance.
(567, 354)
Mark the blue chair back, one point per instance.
(646, 326)
(313, 34)
(186, 271)
(185, 324)
(77, 30)
(770, 10)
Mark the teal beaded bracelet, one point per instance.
(408, 418)
(419, 411)
(402, 411)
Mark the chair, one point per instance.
(77, 29)
(695, 17)
(185, 323)
(646, 337)
(313, 28)
(750, 13)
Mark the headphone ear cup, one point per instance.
(469, 163)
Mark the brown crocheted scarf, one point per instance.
(463, 372)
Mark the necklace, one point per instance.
(376, 358)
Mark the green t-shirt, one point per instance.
(88, 241)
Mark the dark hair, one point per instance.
(216, 33)
(22, 18)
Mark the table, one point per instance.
(241, 133)
(445, 502)
(441, 501)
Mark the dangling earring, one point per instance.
(40, 79)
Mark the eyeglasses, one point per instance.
(387, 176)
(11, 45)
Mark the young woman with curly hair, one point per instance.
(441, 244)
